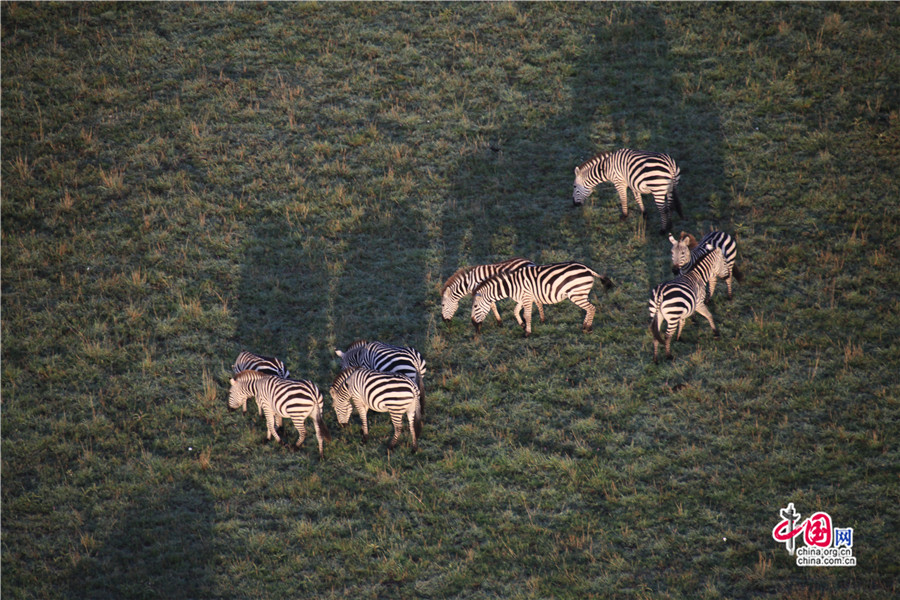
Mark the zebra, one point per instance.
(379, 356)
(675, 300)
(382, 392)
(686, 252)
(644, 172)
(247, 361)
(467, 279)
(282, 398)
(546, 284)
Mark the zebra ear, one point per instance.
(672, 239)
(339, 353)
(709, 246)
(231, 381)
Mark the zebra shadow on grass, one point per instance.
(160, 548)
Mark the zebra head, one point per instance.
(481, 306)
(340, 396)
(581, 191)
(238, 395)
(449, 304)
(681, 252)
(452, 291)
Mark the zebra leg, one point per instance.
(528, 309)
(397, 421)
(516, 312)
(728, 284)
(270, 426)
(640, 202)
(411, 417)
(701, 308)
(680, 323)
(365, 423)
(582, 301)
(665, 222)
(496, 313)
(540, 310)
(300, 424)
(622, 189)
(669, 332)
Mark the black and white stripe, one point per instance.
(281, 398)
(546, 284)
(643, 172)
(686, 252)
(248, 361)
(382, 392)
(675, 300)
(379, 356)
(466, 279)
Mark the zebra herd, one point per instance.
(374, 376)
(380, 377)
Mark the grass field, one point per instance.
(184, 181)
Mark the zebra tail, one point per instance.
(326, 435)
(737, 273)
(604, 279)
(421, 385)
(656, 322)
(417, 426)
(676, 203)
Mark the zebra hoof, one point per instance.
(716, 335)
(623, 216)
(587, 329)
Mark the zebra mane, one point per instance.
(343, 375)
(593, 160)
(356, 344)
(691, 240)
(460, 273)
(484, 282)
(249, 375)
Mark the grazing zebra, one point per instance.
(382, 392)
(675, 300)
(379, 356)
(643, 172)
(467, 279)
(686, 252)
(247, 361)
(281, 398)
(546, 284)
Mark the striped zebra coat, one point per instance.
(686, 252)
(675, 300)
(642, 172)
(282, 398)
(382, 392)
(379, 356)
(546, 284)
(466, 279)
(247, 361)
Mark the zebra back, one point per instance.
(263, 364)
(380, 356)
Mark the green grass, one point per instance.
(185, 181)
